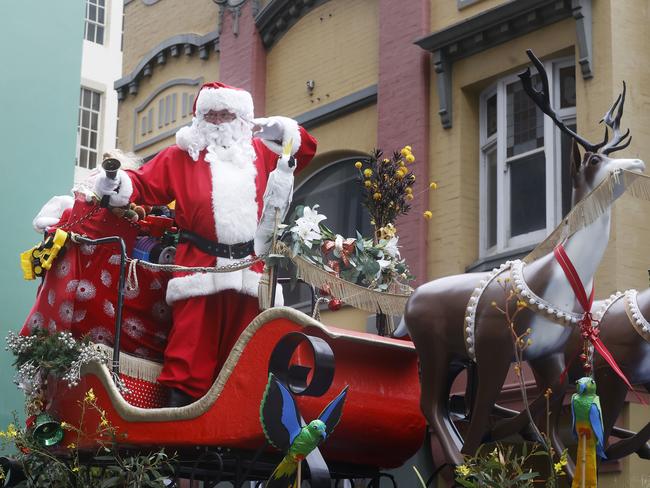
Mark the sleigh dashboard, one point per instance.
(381, 425)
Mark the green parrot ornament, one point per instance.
(284, 428)
(588, 428)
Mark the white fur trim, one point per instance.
(125, 191)
(234, 194)
(202, 284)
(51, 212)
(291, 131)
(185, 139)
(238, 101)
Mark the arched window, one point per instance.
(335, 188)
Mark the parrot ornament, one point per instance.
(277, 198)
(284, 429)
(588, 429)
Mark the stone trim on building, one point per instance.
(278, 16)
(338, 108)
(499, 25)
(174, 46)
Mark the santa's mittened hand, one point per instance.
(119, 189)
(268, 128)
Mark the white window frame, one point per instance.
(96, 22)
(552, 153)
(99, 130)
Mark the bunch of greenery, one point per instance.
(107, 467)
(502, 467)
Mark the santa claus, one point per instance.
(217, 173)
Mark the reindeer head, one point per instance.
(588, 170)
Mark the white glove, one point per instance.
(51, 212)
(268, 128)
(120, 189)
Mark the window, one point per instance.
(525, 185)
(95, 21)
(88, 128)
(336, 190)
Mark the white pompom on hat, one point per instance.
(219, 96)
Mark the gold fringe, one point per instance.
(360, 297)
(592, 206)
(135, 367)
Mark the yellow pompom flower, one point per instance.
(408, 148)
(399, 175)
(367, 172)
(405, 152)
(386, 161)
(358, 164)
(410, 158)
(367, 183)
(433, 185)
(377, 196)
(409, 196)
(427, 214)
(408, 190)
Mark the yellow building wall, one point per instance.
(147, 26)
(336, 45)
(454, 153)
(182, 67)
(444, 14)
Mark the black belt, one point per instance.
(231, 251)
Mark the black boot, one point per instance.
(178, 398)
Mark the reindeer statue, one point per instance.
(623, 325)
(453, 324)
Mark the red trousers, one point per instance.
(204, 330)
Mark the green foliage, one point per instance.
(502, 467)
(107, 467)
(54, 353)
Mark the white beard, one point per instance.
(231, 140)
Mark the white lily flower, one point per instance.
(312, 215)
(391, 247)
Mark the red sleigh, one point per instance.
(381, 425)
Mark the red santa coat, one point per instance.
(218, 201)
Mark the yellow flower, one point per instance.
(358, 164)
(90, 396)
(367, 183)
(75, 469)
(72, 445)
(386, 161)
(408, 148)
(409, 196)
(399, 174)
(410, 158)
(462, 470)
(104, 422)
(427, 214)
(433, 185)
(405, 152)
(408, 190)
(11, 431)
(367, 172)
(377, 196)
(401, 163)
(521, 304)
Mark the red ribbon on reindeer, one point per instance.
(587, 330)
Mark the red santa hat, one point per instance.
(219, 96)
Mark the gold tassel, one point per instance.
(592, 206)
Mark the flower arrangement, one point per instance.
(387, 188)
(43, 353)
(373, 263)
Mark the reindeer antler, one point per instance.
(543, 101)
(618, 140)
